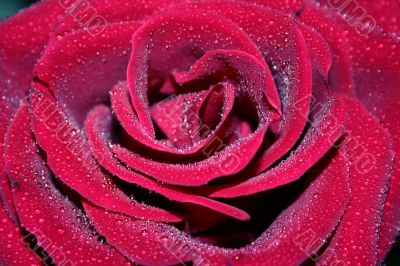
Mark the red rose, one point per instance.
(216, 132)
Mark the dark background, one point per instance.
(9, 7)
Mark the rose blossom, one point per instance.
(213, 132)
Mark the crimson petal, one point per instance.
(285, 50)
(97, 123)
(124, 112)
(368, 148)
(360, 13)
(93, 66)
(93, 16)
(13, 249)
(17, 56)
(60, 138)
(319, 50)
(287, 6)
(59, 227)
(321, 206)
(231, 160)
(153, 57)
(340, 75)
(323, 133)
(179, 118)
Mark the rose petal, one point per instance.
(154, 57)
(18, 54)
(165, 111)
(84, 65)
(94, 15)
(376, 71)
(340, 75)
(229, 161)
(58, 226)
(60, 138)
(323, 133)
(360, 13)
(97, 127)
(287, 6)
(284, 47)
(321, 206)
(13, 249)
(250, 76)
(133, 238)
(319, 50)
(5, 185)
(368, 149)
(250, 84)
(180, 118)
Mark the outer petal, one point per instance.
(19, 52)
(80, 69)
(368, 148)
(287, 6)
(359, 13)
(321, 206)
(21, 43)
(340, 74)
(376, 70)
(58, 226)
(13, 249)
(94, 15)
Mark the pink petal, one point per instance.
(229, 161)
(383, 13)
(287, 6)
(124, 112)
(18, 53)
(319, 50)
(106, 12)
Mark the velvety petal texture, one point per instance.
(210, 132)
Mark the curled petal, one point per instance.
(57, 225)
(97, 127)
(60, 138)
(78, 60)
(322, 135)
(153, 56)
